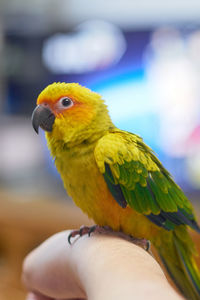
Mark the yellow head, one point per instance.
(71, 113)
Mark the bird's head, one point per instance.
(70, 112)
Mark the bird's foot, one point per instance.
(80, 232)
(145, 244)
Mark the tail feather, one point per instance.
(178, 259)
(189, 266)
(178, 278)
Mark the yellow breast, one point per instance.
(87, 187)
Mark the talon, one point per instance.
(73, 234)
(148, 246)
(92, 229)
(69, 238)
(82, 231)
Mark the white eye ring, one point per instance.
(66, 102)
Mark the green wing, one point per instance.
(136, 178)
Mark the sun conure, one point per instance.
(116, 179)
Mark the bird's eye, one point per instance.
(66, 102)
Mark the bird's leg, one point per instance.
(145, 244)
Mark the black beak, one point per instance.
(42, 117)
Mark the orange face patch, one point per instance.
(78, 112)
(83, 106)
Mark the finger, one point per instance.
(47, 270)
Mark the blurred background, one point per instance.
(144, 59)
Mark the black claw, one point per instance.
(69, 238)
(148, 246)
(92, 229)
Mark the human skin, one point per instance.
(94, 268)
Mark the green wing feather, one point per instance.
(137, 178)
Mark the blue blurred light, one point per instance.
(130, 104)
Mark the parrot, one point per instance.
(117, 180)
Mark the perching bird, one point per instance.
(116, 179)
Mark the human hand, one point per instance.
(99, 267)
